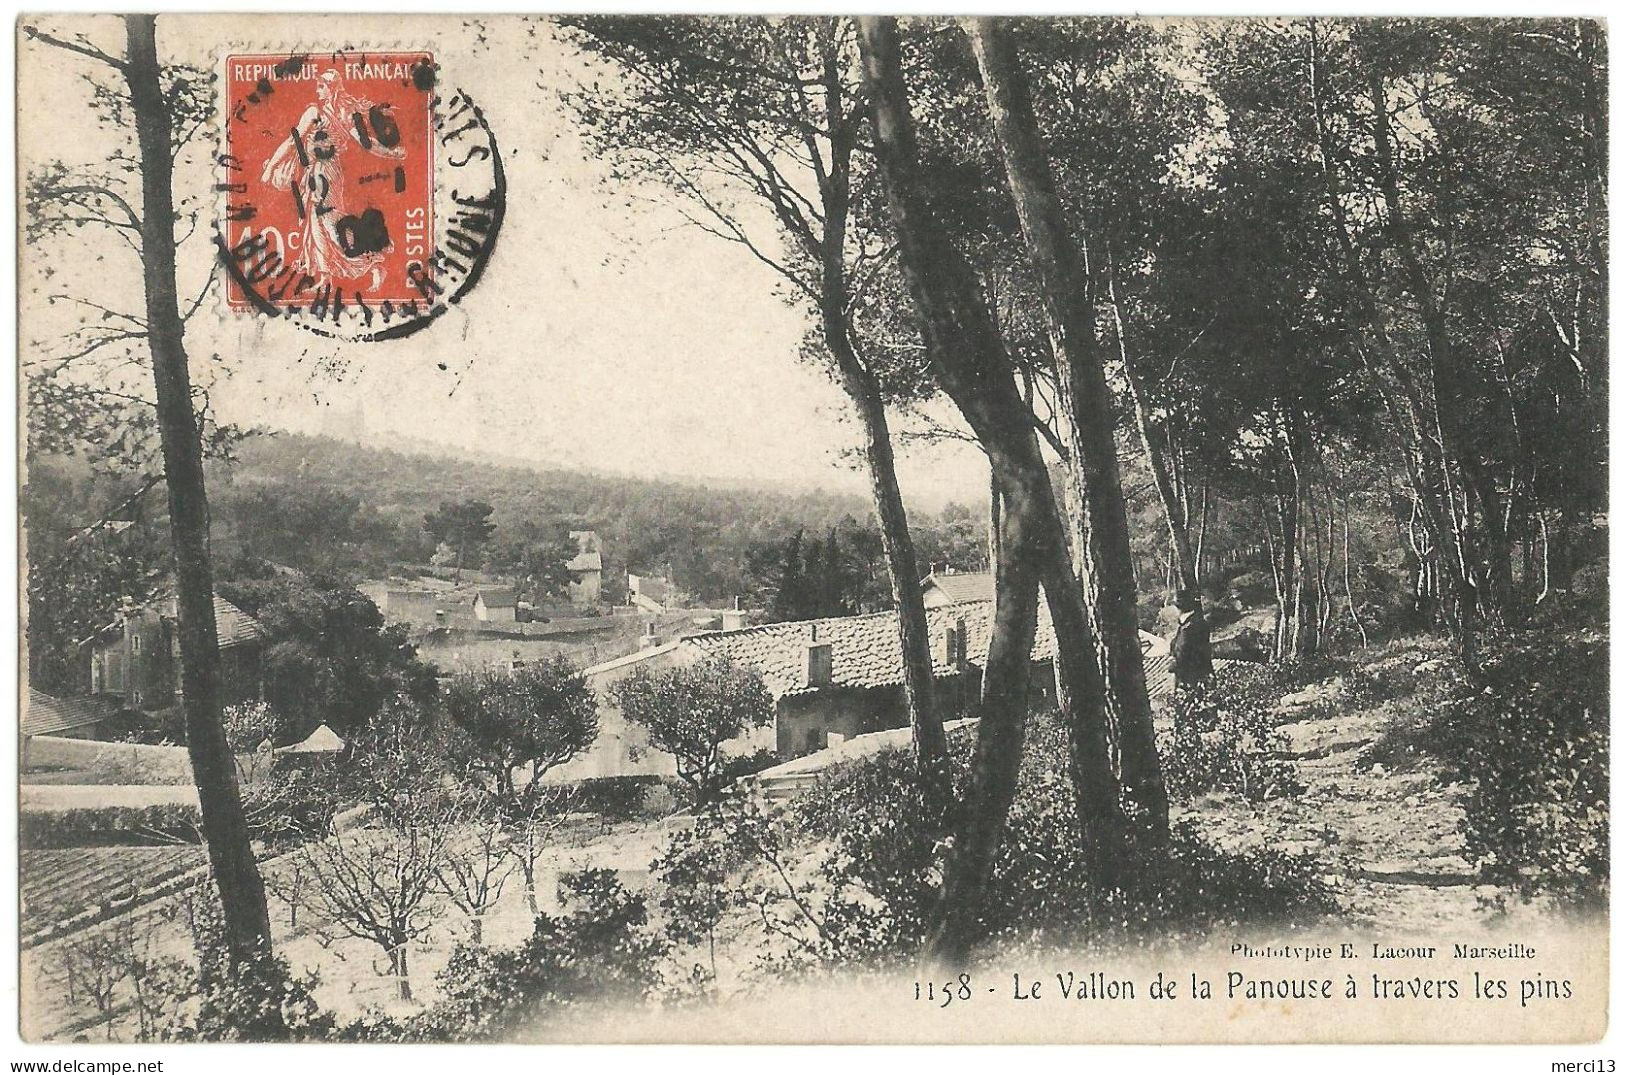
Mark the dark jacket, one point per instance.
(1192, 650)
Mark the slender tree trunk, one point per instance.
(231, 856)
(1173, 509)
(897, 545)
(919, 684)
(969, 358)
(403, 978)
(1428, 458)
(1085, 400)
(1492, 595)
(996, 761)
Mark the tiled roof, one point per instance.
(234, 626)
(497, 597)
(864, 649)
(973, 586)
(45, 715)
(866, 654)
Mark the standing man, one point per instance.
(1192, 648)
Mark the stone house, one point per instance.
(135, 659)
(496, 604)
(586, 568)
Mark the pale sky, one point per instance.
(602, 336)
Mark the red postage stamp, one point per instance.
(329, 179)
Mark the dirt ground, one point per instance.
(1389, 831)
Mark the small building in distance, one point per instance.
(586, 568)
(652, 593)
(496, 604)
(404, 604)
(136, 657)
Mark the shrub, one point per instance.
(615, 798)
(289, 806)
(535, 717)
(1367, 686)
(880, 869)
(1224, 738)
(599, 951)
(691, 710)
(1531, 740)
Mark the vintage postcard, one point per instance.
(816, 529)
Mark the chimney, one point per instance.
(733, 620)
(820, 664)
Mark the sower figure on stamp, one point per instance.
(1192, 648)
(314, 162)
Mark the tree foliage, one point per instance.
(535, 717)
(332, 659)
(690, 711)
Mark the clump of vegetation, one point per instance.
(530, 720)
(1531, 740)
(1225, 737)
(600, 951)
(850, 872)
(217, 998)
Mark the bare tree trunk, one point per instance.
(969, 358)
(897, 545)
(996, 761)
(919, 684)
(403, 979)
(231, 856)
(1084, 398)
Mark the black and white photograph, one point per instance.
(800, 529)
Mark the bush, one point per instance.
(600, 951)
(107, 826)
(881, 865)
(615, 798)
(219, 999)
(1224, 738)
(1531, 740)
